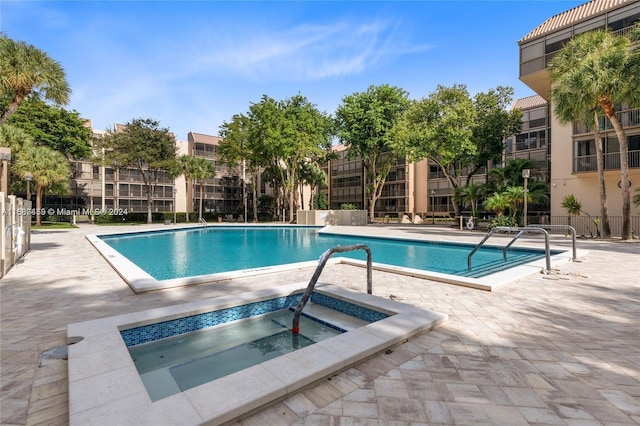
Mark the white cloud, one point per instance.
(304, 52)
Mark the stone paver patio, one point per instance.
(557, 349)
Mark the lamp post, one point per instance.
(28, 177)
(433, 207)
(525, 174)
(175, 214)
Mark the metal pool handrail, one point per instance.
(519, 231)
(571, 229)
(314, 279)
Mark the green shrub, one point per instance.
(501, 221)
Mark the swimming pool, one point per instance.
(216, 252)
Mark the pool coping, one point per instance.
(140, 281)
(488, 282)
(105, 387)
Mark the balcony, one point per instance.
(588, 163)
(628, 118)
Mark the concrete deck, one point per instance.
(557, 349)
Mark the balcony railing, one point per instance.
(540, 63)
(628, 118)
(588, 163)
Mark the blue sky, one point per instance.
(193, 64)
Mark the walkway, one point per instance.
(558, 349)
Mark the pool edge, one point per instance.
(140, 281)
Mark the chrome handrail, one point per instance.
(519, 232)
(295, 328)
(571, 229)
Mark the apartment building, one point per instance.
(572, 154)
(346, 177)
(421, 189)
(223, 193)
(104, 188)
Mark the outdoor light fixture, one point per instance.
(28, 177)
(175, 210)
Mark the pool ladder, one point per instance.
(534, 229)
(295, 328)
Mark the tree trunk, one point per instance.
(13, 106)
(255, 195)
(186, 194)
(604, 210)
(609, 109)
(200, 206)
(372, 207)
(292, 203)
(454, 185)
(149, 202)
(301, 195)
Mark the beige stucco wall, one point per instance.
(584, 186)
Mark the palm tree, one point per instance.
(498, 203)
(186, 166)
(515, 195)
(537, 192)
(471, 194)
(14, 138)
(47, 168)
(27, 70)
(203, 169)
(311, 174)
(592, 73)
(574, 207)
(511, 173)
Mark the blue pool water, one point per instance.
(209, 250)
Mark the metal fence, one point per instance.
(15, 222)
(586, 226)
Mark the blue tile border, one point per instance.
(164, 329)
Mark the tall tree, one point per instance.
(494, 122)
(25, 69)
(142, 145)
(239, 149)
(47, 167)
(593, 72)
(364, 123)
(440, 128)
(55, 127)
(289, 132)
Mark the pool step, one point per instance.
(479, 271)
(331, 316)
